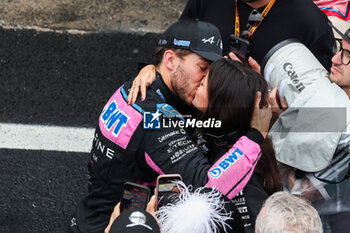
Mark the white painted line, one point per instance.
(40, 137)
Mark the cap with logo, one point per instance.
(135, 221)
(200, 37)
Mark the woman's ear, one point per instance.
(170, 59)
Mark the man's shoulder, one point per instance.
(308, 10)
(302, 17)
(140, 106)
(155, 102)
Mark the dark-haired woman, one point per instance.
(228, 93)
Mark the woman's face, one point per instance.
(200, 100)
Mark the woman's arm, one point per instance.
(144, 79)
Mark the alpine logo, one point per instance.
(221, 167)
(209, 40)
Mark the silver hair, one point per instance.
(286, 213)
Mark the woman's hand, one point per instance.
(143, 80)
(278, 105)
(252, 63)
(151, 206)
(261, 116)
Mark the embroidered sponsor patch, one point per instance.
(113, 118)
(185, 43)
(225, 163)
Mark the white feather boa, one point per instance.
(195, 212)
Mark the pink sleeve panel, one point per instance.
(118, 120)
(233, 170)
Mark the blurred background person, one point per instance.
(265, 23)
(285, 213)
(326, 187)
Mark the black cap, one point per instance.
(200, 37)
(135, 221)
(345, 36)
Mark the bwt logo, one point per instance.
(225, 163)
(151, 120)
(113, 117)
(182, 42)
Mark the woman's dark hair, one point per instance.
(232, 91)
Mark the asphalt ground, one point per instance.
(64, 79)
(55, 79)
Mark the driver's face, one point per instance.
(187, 76)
